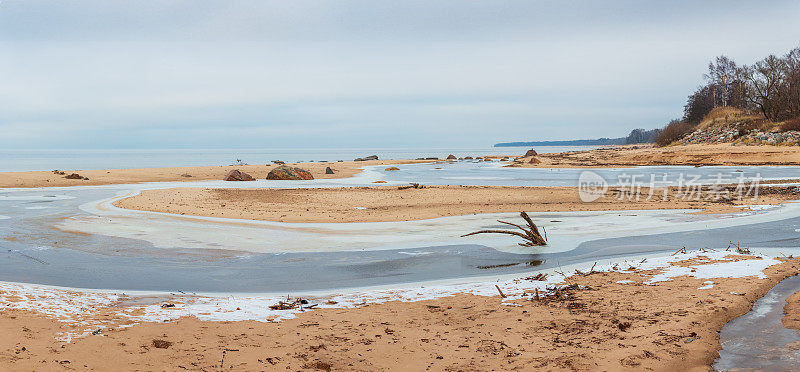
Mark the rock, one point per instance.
(371, 157)
(161, 344)
(289, 173)
(531, 152)
(74, 176)
(237, 175)
(451, 157)
(392, 169)
(278, 162)
(328, 170)
(534, 161)
(58, 172)
(381, 181)
(468, 158)
(187, 175)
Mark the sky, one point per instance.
(361, 74)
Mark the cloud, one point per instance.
(371, 73)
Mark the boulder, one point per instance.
(371, 157)
(328, 170)
(392, 169)
(451, 157)
(237, 175)
(531, 152)
(468, 158)
(285, 172)
(534, 160)
(74, 176)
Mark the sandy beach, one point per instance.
(692, 154)
(624, 316)
(621, 318)
(386, 203)
(616, 156)
(399, 186)
(178, 174)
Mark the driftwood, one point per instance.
(739, 249)
(289, 304)
(530, 234)
(501, 292)
(413, 185)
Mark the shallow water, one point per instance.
(757, 340)
(28, 160)
(73, 237)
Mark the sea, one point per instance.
(17, 160)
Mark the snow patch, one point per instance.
(79, 306)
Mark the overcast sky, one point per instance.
(261, 74)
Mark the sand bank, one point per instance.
(660, 314)
(791, 319)
(695, 155)
(178, 174)
(385, 203)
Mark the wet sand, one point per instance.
(791, 319)
(603, 325)
(375, 204)
(205, 173)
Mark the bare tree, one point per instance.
(791, 95)
(764, 80)
(721, 75)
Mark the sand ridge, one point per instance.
(385, 203)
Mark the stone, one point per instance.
(534, 161)
(392, 169)
(371, 157)
(451, 157)
(328, 170)
(285, 172)
(531, 152)
(237, 175)
(74, 176)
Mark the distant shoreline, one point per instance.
(587, 142)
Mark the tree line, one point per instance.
(770, 86)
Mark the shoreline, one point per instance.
(590, 321)
(624, 156)
(37, 179)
